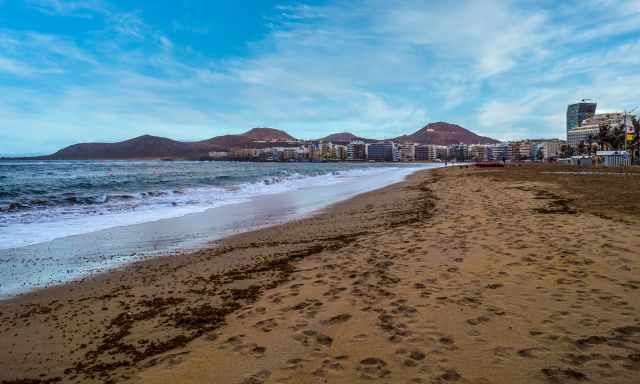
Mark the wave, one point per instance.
(44, 218)
(38, 199)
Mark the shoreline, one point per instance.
(109, 248)
(199, 289)
(424, 280)
(209, 246)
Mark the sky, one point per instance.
(97, 70)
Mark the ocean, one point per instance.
(61, 220)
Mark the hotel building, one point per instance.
(578, 112)
(357, 150)
(500, 152)
(480, 152)
(589, 129)
(406, 152)
(380, 151)
(551, 148)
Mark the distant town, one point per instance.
(358, 150)
(591, 137)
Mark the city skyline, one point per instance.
(91, 70)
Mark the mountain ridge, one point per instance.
(156, 147)
(268, 134)
(443, 133)
(343, 137)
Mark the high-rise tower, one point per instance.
(578, 112)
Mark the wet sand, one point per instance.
(456, 275)
(72, 257)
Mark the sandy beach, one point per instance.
(466, 275)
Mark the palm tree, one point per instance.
(603, 135)
(564, 150)
(611, 138)
(589, 143)
(618, 137)
(635, 144)
(581, 148)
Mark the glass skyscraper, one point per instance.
(578, 112)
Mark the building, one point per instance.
(612, 120)
(357, 150)
(522, 150)
(395, 152)
(326, 150)
(320, 151)
(501, 152)
(551, 149)
(290, 154)
(382, 151)
(425, 152)
(578, 112)
(245, 153)
(526, 150)
(480, 152)
(406, 152)
(615, 119)
(585, 135)
(536, 151)
(339, 152)
(274, 154)
(589, 130)
(218, 154)
(442, 152)
(459, 152)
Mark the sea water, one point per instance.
(61, 220)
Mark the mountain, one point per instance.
(225, 142)
(142, 147)
(442, 133)
(268, 134)
(154, 147)
(342, 137)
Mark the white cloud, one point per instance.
(492, 35)
(74, 8)
(14, 67)
(373, 67)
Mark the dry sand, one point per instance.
(458, 275)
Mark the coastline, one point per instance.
(424, 280)
(239, 254)
(108, 242)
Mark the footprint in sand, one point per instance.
(533, 352)
(311, 337)
(562, 375)
(257, 378)
(338, 319)
(373, 368)
(266, 325)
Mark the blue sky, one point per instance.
(97, 70)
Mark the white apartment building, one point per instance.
(406, 152)
(551, 148)
(357, 150)
(218, 154)
(582, 135)
(500, 152)
(424, 152)
(590, 128)
(480, 152)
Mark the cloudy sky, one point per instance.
(99, 70)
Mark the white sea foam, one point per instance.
(63, 222)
